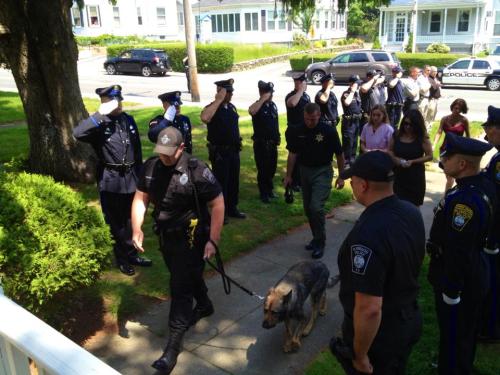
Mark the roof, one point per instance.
(203, 4)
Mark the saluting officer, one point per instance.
(311, 148)
(395, 97)
(458, 271)
(114, 136)
(371, 94)
(266, 138)
(491, 319)
(351, 104)
(224, 144)
(295, 102)
(182, 189)
(379, 264)
(327, 100)
(180, 122)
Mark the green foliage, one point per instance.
(420, 59)
(303, 15)
(107, 39)
(409, 46)
(347, 41)
(363, 18)
(300, 63)
(438, 48)
(51, 242)
(376, 44)
(300, 40)
(211, 58)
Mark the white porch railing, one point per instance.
(23, 336)
(467, 39)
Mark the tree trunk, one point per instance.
(40, 49)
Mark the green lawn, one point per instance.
(475, 131)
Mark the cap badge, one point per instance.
(165, 139)
(184, 179)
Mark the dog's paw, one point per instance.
(287, 347)
(322, 312)
(307, 330)
(295, 345)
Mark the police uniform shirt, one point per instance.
(355, 107)
(382, 255)
(395, 94)
(116, 141)
(265, 123)
(223, 129)
(329, 109)
(314, 147)
(493, 173)
(370, 99)
(181, 123)
(170, 189)
(295, 115)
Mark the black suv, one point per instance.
(145, 61)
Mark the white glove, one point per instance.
(451, 301)
(170, 113)
(107, 108)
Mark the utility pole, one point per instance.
(191, 50)
(415, 24)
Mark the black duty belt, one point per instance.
(261, 140)
(394, 104)
(124, 167)
(235, 147)
(353, 117)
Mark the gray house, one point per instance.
(465, 26)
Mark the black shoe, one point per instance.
(237, 214)
(140, 261)
(127, 269)
(311, 245)
(200, 312)
(168, 359)
(318, 252)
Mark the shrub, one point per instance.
(420, 59)
(376, 44)
(318, 44)
(300, 40)
(51, 242)
(410, 44)
(107, 39)
(301, 62)
(438, 48)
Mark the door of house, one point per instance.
(399, 30)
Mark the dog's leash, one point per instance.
(226, 280)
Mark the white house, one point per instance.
(464, 25)
(262, 21)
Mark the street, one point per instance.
(146, 89)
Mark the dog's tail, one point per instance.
(332, 281)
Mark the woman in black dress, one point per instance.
(410, 148)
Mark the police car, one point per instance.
(472, 71)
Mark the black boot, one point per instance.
(168, 359)
(201, 311)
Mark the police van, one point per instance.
(472, 71)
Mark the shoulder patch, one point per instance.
(360, 256)
(208, 175)
(461, 216)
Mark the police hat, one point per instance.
(354, 79)
(493, 117)
(397, 69)
(265, 86)
(466, 146)
(327, 77)
(114, 91)
(371, 73)
(371, 166)
(301, 76)
(226, 84)
(168, 140)
(173, 97)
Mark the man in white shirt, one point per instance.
(424, 85)
(411, 90)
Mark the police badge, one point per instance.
(461, 216)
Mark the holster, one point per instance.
(344, 354)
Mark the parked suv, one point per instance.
(353, 62)
(145, 61)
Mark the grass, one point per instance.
(246, 52)
(475, 131)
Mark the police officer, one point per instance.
(327, 100)
(395, 97)
(295, 102)
(458, 270)
(114, 136)
(351, 104)
(266, 138)
(224, 144)
(311, 148)
(180, 122)
(371, 94)
(490, 328)
(379, 263)
(182, 189)
(185, 63)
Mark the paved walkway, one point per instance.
(232, 340)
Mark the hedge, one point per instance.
(51, 242)
(210, 59)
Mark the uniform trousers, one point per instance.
(490, 319)
(350, 135)
(186, 265)
(116, 208)
(394, 112)
(316, 185)
(266, 159)
(226, 169)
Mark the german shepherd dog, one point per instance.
(285, 302)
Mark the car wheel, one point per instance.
(110, 69)
(146, 71)
(163, 73)
(493, 84)
(316, 76)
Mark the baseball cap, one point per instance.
(371, 166)
(168, 140)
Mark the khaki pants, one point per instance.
(431, 112)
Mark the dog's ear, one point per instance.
(287, 298)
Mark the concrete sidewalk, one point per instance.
(232, 340)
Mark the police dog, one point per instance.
(285, 302)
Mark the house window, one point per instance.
(435, 22)
(94, 17)
(180, 15)
(342, 21)
(251, 21)
(496, 26)
(317, 19)
(161, 19)
(223, 23)
(282, 21)
(326, 19)
(116, 16)
(276, 20)
(271, 15)
(334, 19)
(463, 20)
(76, 16)
(139, 16)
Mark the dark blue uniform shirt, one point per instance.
(223, 129)
(395, 94)
(355, 107)
(181, 123)
(315, 147)
(295, 115)
(493, 173)
(265, 123)
(329, 110)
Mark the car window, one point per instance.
(126, 55)
(464, 64)
(161, 55)
(137, 54)
(480, 64)
(358, 57)
(394, 57)
(497, 51)
(380, 56)
(341, 58)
